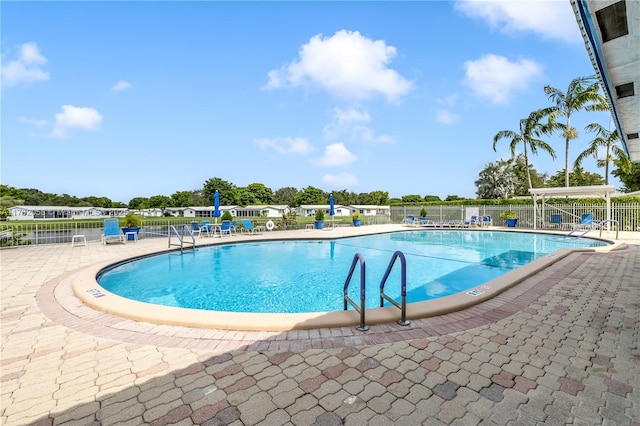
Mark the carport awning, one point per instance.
(603, 191)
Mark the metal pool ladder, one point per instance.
(403, 289)
(363, 284)
(181, 237)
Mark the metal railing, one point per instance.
(626, 214)
(55, 232)
(403, 287)
(363, 283)
(172, 230)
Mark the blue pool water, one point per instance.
(308, 276)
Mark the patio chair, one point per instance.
(487, 221)
(473, 221)
(225, 228)
(112, 232)
(195, 229)
(410, 220)
(248, 227)
(555, 221)
(206, 228)
(586, 221)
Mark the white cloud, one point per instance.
(345, 123)
(286, 145)
(337, 154)
(552, 19)
(121, 85)
(26, 69)
(342, 122)
(446, 117)
(366, 134)
(496, 78)
(75, 118)
(450, 100)
(33, 121)
(340, 180)
(347, 64)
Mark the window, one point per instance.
(613, 21)
(625, 90)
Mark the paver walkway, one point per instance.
(560, 348)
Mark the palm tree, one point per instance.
(496, 180)
(606, 139)
(582, 93)
(530, 130)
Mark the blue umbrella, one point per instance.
(216, 204)
(331, 209)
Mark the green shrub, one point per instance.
(131, 220)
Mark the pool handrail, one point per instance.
(172, 230)
(363, 282)
(403, 287)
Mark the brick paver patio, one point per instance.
(563, 347)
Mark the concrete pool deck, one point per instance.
(561, 347)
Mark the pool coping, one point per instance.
(86, 288)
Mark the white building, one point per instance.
(370, 210)
(63, 212)
(273, 210)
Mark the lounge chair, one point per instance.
(410, 220)
(586, 221)
(112, 232)
(586, 224)
(486, 221)
(473, 221)
(555, 221)
(248, 227)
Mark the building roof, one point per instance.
(369, 206)
(267, 206)
(574, 191)
(611, 33)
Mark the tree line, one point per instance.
(230, 194)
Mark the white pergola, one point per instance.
(603, 191)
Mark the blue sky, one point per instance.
(126, 99)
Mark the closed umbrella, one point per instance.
(331, 209)
(216, 205)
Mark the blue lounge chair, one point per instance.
(473, 221)
(486, 221)
(586, 220)
(555, 221)
(112, 232)
(247, 226)
(586, 224)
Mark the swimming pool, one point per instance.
(308, 275)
